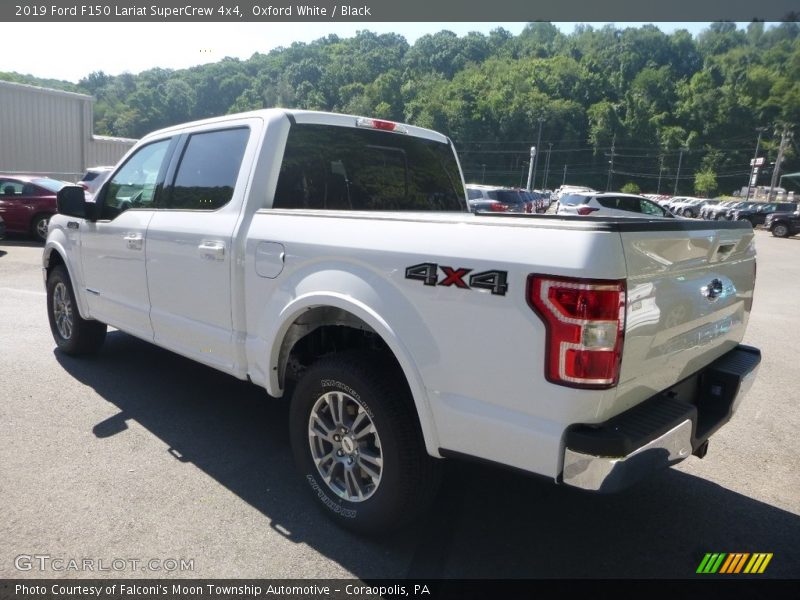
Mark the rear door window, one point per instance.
(208, 170)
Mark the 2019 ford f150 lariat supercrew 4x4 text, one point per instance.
(332, 259)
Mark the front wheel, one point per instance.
(688, 213)
(72, 333)
(780, 230)
(39, 227)
(358, 446)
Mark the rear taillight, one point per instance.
(586, 210)
(584, 320)
(498, 207)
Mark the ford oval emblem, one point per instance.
(712, 291)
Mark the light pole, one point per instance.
(660, 171)
(531, 170)
(547, 165)
(522, 173)
(532, 182)
(564, 179)
(760, 131)
(611, 163)
(483, 173)
(678, 174)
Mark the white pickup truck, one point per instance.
(332, 259)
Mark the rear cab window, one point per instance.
(342, 168)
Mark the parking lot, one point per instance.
(141, 455)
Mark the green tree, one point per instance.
(631, 188)
(705, 183)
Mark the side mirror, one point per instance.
(71, 201)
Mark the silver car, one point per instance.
(610, 204)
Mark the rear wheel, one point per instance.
(358, 446)
(72, 333)
(688, 213)
(780, 230)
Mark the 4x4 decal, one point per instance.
(428, 273)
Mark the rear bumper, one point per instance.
(662, 430)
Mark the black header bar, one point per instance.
(366, 11)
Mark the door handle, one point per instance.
(211, 250)
(134, 241)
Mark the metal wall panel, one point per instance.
(49, 132)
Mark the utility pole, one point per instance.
(483, 173)
(678, 174)
(778, 160)
(754, 169)
(660, 171)
(547, 165)
(531, 169)
(532, 182)
(564, 179)
(611, 163)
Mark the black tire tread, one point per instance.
(421, 473)
(88, 336)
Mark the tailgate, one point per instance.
(690, 289)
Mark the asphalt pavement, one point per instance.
(146, 464)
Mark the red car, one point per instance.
(27, 203)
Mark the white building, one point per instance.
(49, 132)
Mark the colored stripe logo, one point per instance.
(734, 563)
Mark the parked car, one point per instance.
(495, 199)
(728, 214)
(713, 212)
(758, 214)
(28, 202)
(570, 189)
(693, 210)
(610, 204)
(682, 203)
(2, 228)
(783, 224)
(94, 178)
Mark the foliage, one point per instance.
(705, 183)
(631, 188)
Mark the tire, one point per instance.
(398, 481)
(39, 227)
(780, 230)
(688, 213)
(73, 334)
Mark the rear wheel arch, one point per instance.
(323, 330)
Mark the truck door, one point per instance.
(190, 246)
(113, 247)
